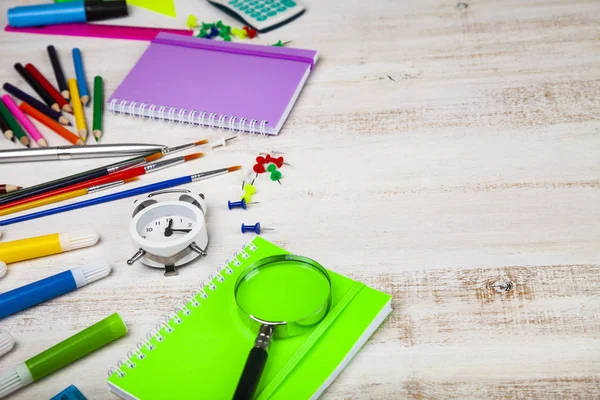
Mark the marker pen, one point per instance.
(49, 288)
(62, 354)
(64, 13)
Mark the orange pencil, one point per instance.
(52, 124)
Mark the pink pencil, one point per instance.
(24, 121)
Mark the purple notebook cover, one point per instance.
(232, 79)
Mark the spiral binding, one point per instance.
(193, 117)
(172, 320)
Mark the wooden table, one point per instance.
(446, 153)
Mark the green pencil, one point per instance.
(98, 107)
(12, 122)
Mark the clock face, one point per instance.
(168, 223)
(165, 229)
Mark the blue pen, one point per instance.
(56, 285)
(82, 85)
(122, 195)
(67, 12)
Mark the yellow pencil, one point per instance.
(78, 110)
(40, 246)
(62, 197)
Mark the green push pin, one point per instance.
(275, 175)
(281, 44)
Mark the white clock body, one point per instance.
(165, 232)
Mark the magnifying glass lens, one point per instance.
(283, 291)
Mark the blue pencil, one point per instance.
(121, 195)
(82, 86)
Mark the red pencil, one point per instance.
(118, 176)
(37, 75)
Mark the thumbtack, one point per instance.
(221, 142)
(275, 175)
(254, 228)
(277, 161)
(238, 204)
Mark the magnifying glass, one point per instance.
(279, 297)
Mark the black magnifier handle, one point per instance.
(255, 364)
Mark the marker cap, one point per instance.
(98, 10)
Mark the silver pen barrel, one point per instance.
(77, 152)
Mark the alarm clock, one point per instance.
(168, 229)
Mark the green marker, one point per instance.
(98, 107)
(64, 353)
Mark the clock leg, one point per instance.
(140, 253)
(197, 249)
(170, 270)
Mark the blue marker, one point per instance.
(56, 285)
(82, 86)
(64, 13)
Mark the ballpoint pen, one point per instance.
(77, 152)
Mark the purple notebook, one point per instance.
(236, 86)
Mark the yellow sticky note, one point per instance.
(166, 7)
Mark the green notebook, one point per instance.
(202, 350)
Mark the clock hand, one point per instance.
(180, 230)
(168, 230)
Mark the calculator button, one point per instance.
(255, 15)
(281, 9)
(269, 1)
(233, 2)
(275, 5)
(261, 19)
(272, 13)
(253, 3)
(288, 3)
(249, 11)
(259, 6)
(244, 7)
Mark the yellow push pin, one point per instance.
(249, 190)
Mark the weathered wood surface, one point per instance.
(445, 153)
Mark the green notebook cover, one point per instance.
(202, 352)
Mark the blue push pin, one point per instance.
(254, 228)
(238, 204)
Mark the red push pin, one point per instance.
(277, 161)
(251, 32)
(259, 169)
(261, 159)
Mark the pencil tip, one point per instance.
(201, 142)
(235, 168)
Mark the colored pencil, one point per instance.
(31, 130)
(37, 75)
(51, 124)
(98, 107)
(37, 87)
(122, 195)
(126, 174)
(14, 125)
(6, 130)
(58, 72)
(78, 110)
(80, 74)
(64, 196)
(9, 188)
(35, 103)
(77, 178)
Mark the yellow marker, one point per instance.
(78, 109)
(63, 196)
(40, 246)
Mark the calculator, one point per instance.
(262, 15)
